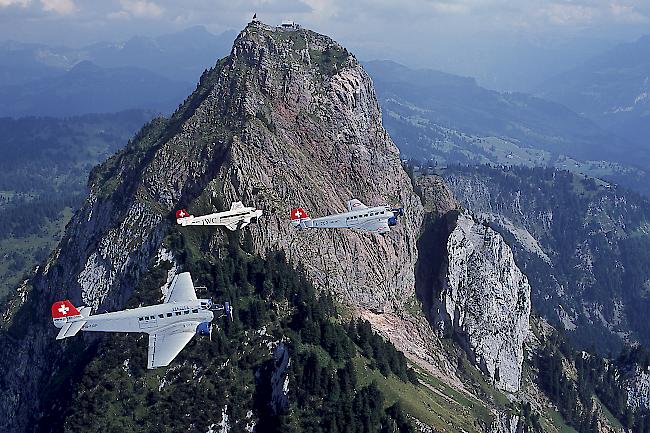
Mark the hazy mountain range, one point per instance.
(431, 114)
(140, 73)
(613, 89)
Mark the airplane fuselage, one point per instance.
(222, 218)
(150, 319)
(360, 219)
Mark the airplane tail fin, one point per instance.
(300, 218)
(67, 317)
(181, 215)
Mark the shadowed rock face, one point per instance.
(289, 118)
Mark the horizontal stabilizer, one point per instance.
(70, 329)
(236, 205)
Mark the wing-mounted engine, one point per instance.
(224, 309)
(204, 329)
(397, 212)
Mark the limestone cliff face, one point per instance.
(485, 301)
(580, 244)
(314, 139)
(289, 118)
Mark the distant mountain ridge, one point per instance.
(88, 88)
(612, 89)
(149, 73)
(451, 119)
(179, 56)
(460, 103)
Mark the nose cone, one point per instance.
(392, 221)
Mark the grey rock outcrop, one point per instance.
(485, 301)
(637, 385)
(581, 244)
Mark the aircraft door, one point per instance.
(147, 322)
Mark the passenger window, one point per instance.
(169, 314)
(186, 312)
(195, 311)
(178, 313)
(161, 315)
(140, 319)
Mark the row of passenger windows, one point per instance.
(162, 316)
(364, 216)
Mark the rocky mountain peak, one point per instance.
(289, 118)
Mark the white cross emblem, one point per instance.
(182, 213)
(63, 309)
(298, 213)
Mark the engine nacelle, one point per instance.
(392, 221)
(204, 329)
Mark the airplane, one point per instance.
(377, 219)
(237, 217)
(170, 325)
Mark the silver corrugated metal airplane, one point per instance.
(170, 325)
(376, 219)
(237, 217)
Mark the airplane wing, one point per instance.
(383, 228)
(355, 204)
(380, 227)
(181, 289)
(165, 345)
(232, 226)
(236, 205)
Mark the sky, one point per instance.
(453, 35)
